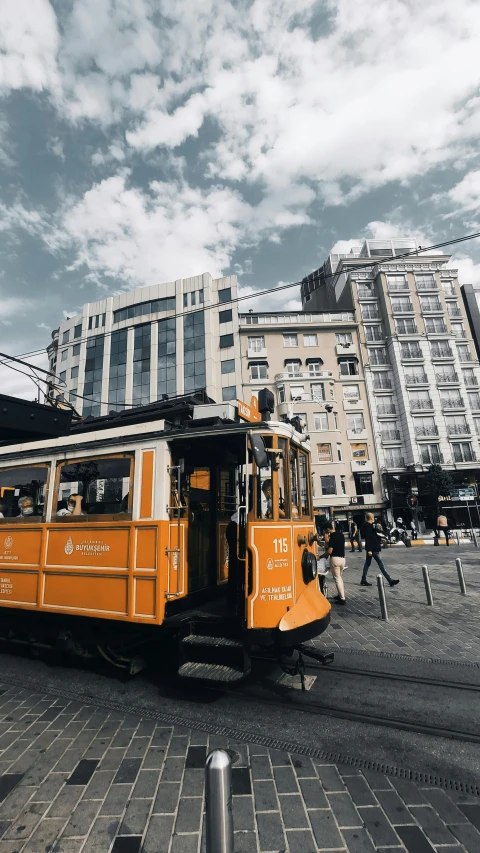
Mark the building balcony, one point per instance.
(371, 314)
(465, 358)
(345, 349)
(457, 403)
(440, 329)
(357, 434)
(453, 310)
(433, 309)
(412, 358)
(404, 308)
(396, 288)
(416, 379)
(459, 334)
(442, 355)
(366, 293)
(421, 405)
(303, 374)
(471, 382)
(306, 397)
(430, 286)
(390, 435)
(364, 465)
(447, 378)
(426, 432)
(386, 409)
(352, 404)
(386, 385)
(261, 352)
(459, 431)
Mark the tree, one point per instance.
(439, 481)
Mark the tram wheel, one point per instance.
(132, 664)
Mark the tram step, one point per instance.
(211, 672)
(208, 640)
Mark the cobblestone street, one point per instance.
(450, 630)
(80, 778)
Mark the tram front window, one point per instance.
(96, 486)
(22, 493)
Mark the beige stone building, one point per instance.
(311, 362)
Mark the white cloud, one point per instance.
(466, 194)
(13, 380)
(29, 42)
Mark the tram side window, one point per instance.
(23, 493)
(284, 509)
(304, 487)
(96, 486)
(264, 490)
(294, 483)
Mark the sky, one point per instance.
(148, 140)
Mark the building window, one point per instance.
(425, 281)
(324, 452)
(458, 329)
(374, 333)
(453, 309)
(314, 367)
(185, 300)
(457, 425)
(430, 454)
(328, 485)
(141, 365)
(320, 421)
(140, 309)
(386, 406)
(406, 326)
(351, 392)
(335, 420)
(343, 484)
(317, 390)
(64, 355)
(363, 484)
(293, 367)
(225, 295)
(223, 316)
(397, 282)
(449, 288)
(77, 331)
(435, 325)
(425, 426)
(399, 306)
(281, 393)
(463, 352)
(348, 367)
(474, 400)
(117, 370)
(63, 376)
(416, 375)
(440, 349)
(370, 312)
(256, 344)
(167, 360)
(228, 366)
(90, 322)
(469, 376)
(394, 458)
(194, 351)
(343, 338)
(290, 340)
(420, 400)
(229, 393)
(74, 373)
(411, 349)
(430, 303)
(200, 297)
(226, 341)
(339, 453)
(92, 387)
(193, 299)
(297, 391)
(355, 422)
(309, 340)
(477, 425)
(462, 452)
(359, 451)
(450, 399)
(257, 371)
(377, 355)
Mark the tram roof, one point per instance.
(26, 420)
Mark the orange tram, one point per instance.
(175, 533)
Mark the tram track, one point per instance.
(389, 676)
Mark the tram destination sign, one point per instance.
(250, 412)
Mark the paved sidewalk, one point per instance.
(448, 631)
(84, 779)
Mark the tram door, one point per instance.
(201, 530)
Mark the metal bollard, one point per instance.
(382, 597)
(428, 588)
(218, 798)
(461, 579)
(475, 540)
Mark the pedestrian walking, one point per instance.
(335, 550)
(442, 527)
(354, 536)
(373, 544)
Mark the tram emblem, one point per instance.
(69, 546)
(270, 564)
(8, 542)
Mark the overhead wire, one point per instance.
(236, 300)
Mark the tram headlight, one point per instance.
(309, 566)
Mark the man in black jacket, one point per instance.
(373, 544)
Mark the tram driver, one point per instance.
(267, 501)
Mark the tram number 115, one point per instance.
(280, 545)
